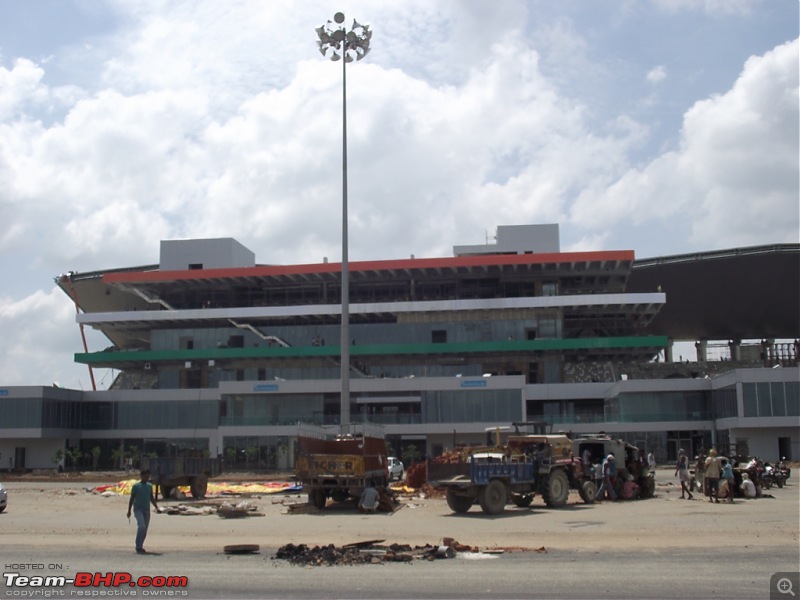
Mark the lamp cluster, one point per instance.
(342, 43)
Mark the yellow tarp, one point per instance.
(214, 488)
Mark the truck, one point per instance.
(515, 472)
(170, 473)
(339, 463)
(630, 466)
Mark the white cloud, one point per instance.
(733, 181)
(723, 7)
(37, 342)
(657, 74)
(208, 119)
(19, 86)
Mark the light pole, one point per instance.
(345, 46)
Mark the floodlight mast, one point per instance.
(344, 45)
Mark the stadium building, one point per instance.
(218, 355)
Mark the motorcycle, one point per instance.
(771, 476)
(777, 474)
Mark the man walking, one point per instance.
(141, 497)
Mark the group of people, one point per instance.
(715, 472)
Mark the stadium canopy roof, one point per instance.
(738, 294)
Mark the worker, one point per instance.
(609, 479)
(369, 500)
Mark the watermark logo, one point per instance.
(785, 585)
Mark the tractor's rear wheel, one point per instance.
(556, 489)
(588, 492)
(457, 502)
(522, 500)
(199, 487)
(318, 498)
(493, 497)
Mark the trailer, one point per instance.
(339, 463)
(170, 473)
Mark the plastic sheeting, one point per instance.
(214, 488)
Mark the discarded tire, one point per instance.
(241, 549)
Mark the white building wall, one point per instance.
(39, 452)
(763, 442)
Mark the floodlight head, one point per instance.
(339, 17)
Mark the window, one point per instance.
(549, 289)
(778, 400)
(764, 400)
(547, 328)
(750, 405)
(439, 336)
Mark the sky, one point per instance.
(659, 126)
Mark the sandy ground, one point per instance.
(64, 515)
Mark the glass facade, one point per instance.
(17, 413)
(778, 399)
(260, 409)
(258, 452)
(170, 414)
(725, 402)
(659, 406)
(48, 413)
(493, 406)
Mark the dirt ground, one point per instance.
(64, 514)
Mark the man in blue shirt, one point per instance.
(609, 479)
(141, 497)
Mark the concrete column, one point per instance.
(736, 349)
(702, 350)
(668, 351)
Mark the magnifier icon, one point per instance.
(784, 586)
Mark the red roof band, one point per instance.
(373, 265)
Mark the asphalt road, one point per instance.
(658, 548)
(716, 573)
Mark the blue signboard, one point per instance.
(473, 383)
(3, 392)
(266, 387)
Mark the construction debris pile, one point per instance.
(417, 473)
(372, 552)
(235, 511)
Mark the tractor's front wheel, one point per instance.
(588, 492)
